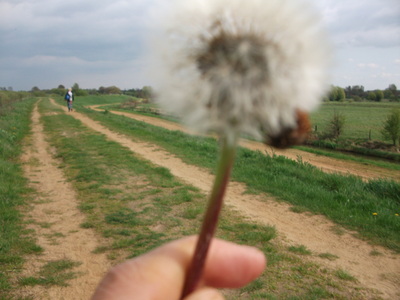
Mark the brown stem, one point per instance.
(211, 218)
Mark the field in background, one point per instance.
(362, 118)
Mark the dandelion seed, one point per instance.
(238, 67)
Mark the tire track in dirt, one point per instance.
(56, 221)
(315, 232)
(326, 164)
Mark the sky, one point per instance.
(45, 43)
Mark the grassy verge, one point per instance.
(137, 206)
(370, 208)
(15, 241)
(380, 159)
(356, 158)
(98, 100)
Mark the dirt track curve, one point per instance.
(324, 163)
(315, 232)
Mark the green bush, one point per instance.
(391, 127)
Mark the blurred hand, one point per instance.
(160, 274)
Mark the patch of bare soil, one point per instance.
(56, 220)
(379, 272)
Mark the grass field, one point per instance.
(125, 198)
(361, 118)
(363, 122)
(137, 206)
(303, 185)
(98, 100)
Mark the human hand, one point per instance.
(160, 274)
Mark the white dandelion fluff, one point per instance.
(232, 66)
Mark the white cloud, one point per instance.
(368, 65)
(102, 41)
(362, 23)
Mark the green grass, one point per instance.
(52, 273)
(322, 117)
(137, 206)
(328, 256)
(98, 100)
(346, 200)
(361, 118)
(300, 250)
(15, 241)
(383, 163)
(341, 274)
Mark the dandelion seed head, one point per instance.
(233, 66)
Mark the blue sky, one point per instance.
(45, 43)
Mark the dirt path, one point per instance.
(56, 221)
(326, 164)
(315, 232)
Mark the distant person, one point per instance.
(69, 97)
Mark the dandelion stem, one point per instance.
(227, 156)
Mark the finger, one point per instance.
(205, 294)
(160, 273)
(240, 265)
(156, 275)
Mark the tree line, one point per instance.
(357, 93)
(144, 92)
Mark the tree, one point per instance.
(147, 92)
(113, 90)
(355, 90)
(391, 127)
(378, 95)
(341, 94)
(392, 93)
(392, 87)
(336, 125)
(336, 94)
(58, 91)
(78, 91)
(110, 90)
(372, 96)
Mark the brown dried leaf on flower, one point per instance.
(292, 136)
